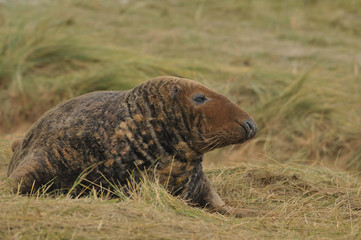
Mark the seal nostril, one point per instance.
(252, 125)
(249, 127)
(245, 127)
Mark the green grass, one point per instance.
(295, 66)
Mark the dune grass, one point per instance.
(298, 201)
(295, 66)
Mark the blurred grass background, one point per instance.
(295, 66)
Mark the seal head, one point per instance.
(208, 119)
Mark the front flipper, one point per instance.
(213, 202)
(202, 193)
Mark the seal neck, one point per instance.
(157, 132)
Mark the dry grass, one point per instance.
(300, 202)
(294, 65)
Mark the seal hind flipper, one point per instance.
(24, 179)
(30, 176)
(15, 144)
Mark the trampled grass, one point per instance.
(294, 65)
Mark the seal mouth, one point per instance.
(249, 127)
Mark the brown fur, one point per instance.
(163, 126)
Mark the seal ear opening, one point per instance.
(174, 93)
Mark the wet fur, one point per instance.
(155, 127)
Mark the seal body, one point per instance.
(163, 126)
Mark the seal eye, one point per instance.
(199, 99)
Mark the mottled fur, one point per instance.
(157, 127)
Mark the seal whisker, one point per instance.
(214, 142)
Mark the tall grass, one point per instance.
(294, 66)
(34, 52)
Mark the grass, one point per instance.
(300, 203)
(294, 65)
